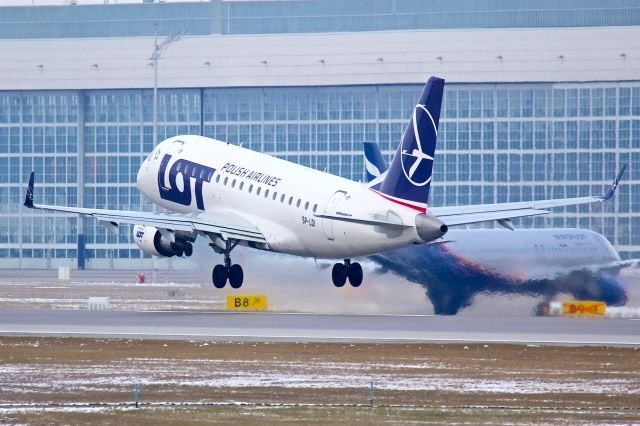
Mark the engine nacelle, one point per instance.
(151, 241)
(429, 227)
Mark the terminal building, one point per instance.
(542, 101)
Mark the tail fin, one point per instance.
(374, 162)
(408, 179)
(28, 198)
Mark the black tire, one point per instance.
(355, 274)
(339, 274)
(236, 276)
(219, 276)
(188, 249)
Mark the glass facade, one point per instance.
(307, 16)
(38, 131)
(303, 16)
(125, 20)
(497, 142)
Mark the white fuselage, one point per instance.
(278, 197)
(533, 253)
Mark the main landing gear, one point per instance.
(342, 271)
(222, 273)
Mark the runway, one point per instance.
(221, 326)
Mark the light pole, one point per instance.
(174, 37)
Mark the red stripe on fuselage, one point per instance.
(411, 206)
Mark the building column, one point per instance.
(80, 179)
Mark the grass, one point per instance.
(321, 382)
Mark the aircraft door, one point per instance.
(330, 208)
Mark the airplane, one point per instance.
(231, 196)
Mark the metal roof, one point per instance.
(464, 56)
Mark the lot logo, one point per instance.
(412, 151)
(187, 170)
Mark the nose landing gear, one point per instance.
(231, 272)
(342, 271)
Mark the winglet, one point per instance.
(28, 199)
(613, 188)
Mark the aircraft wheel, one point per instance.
(188, 249)
(236, 276)
(219, 276)
(355, 274)
(339, 274)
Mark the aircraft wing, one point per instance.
(464, 215)
(224, 224)
(615, 267)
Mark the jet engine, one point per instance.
(154, 242)
(429, 227)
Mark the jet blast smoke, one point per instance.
(295, 284)
(452, 281)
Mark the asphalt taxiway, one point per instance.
(254, 326)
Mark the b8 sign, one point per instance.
(247, 303)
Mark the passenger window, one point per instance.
(233, 183)
(282, 198)
(266, 193)
(186, 169)
(258, 191)
(218, 179)
(306, 205)
(250, 188)
(210, 176)
(241, 185)
(290, 200)
(315, 207)
(298, 203)
(202, 174)
(179, 167)
(275, 195)
(226, 180)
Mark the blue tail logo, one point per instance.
(408, 179)
(416, 164)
